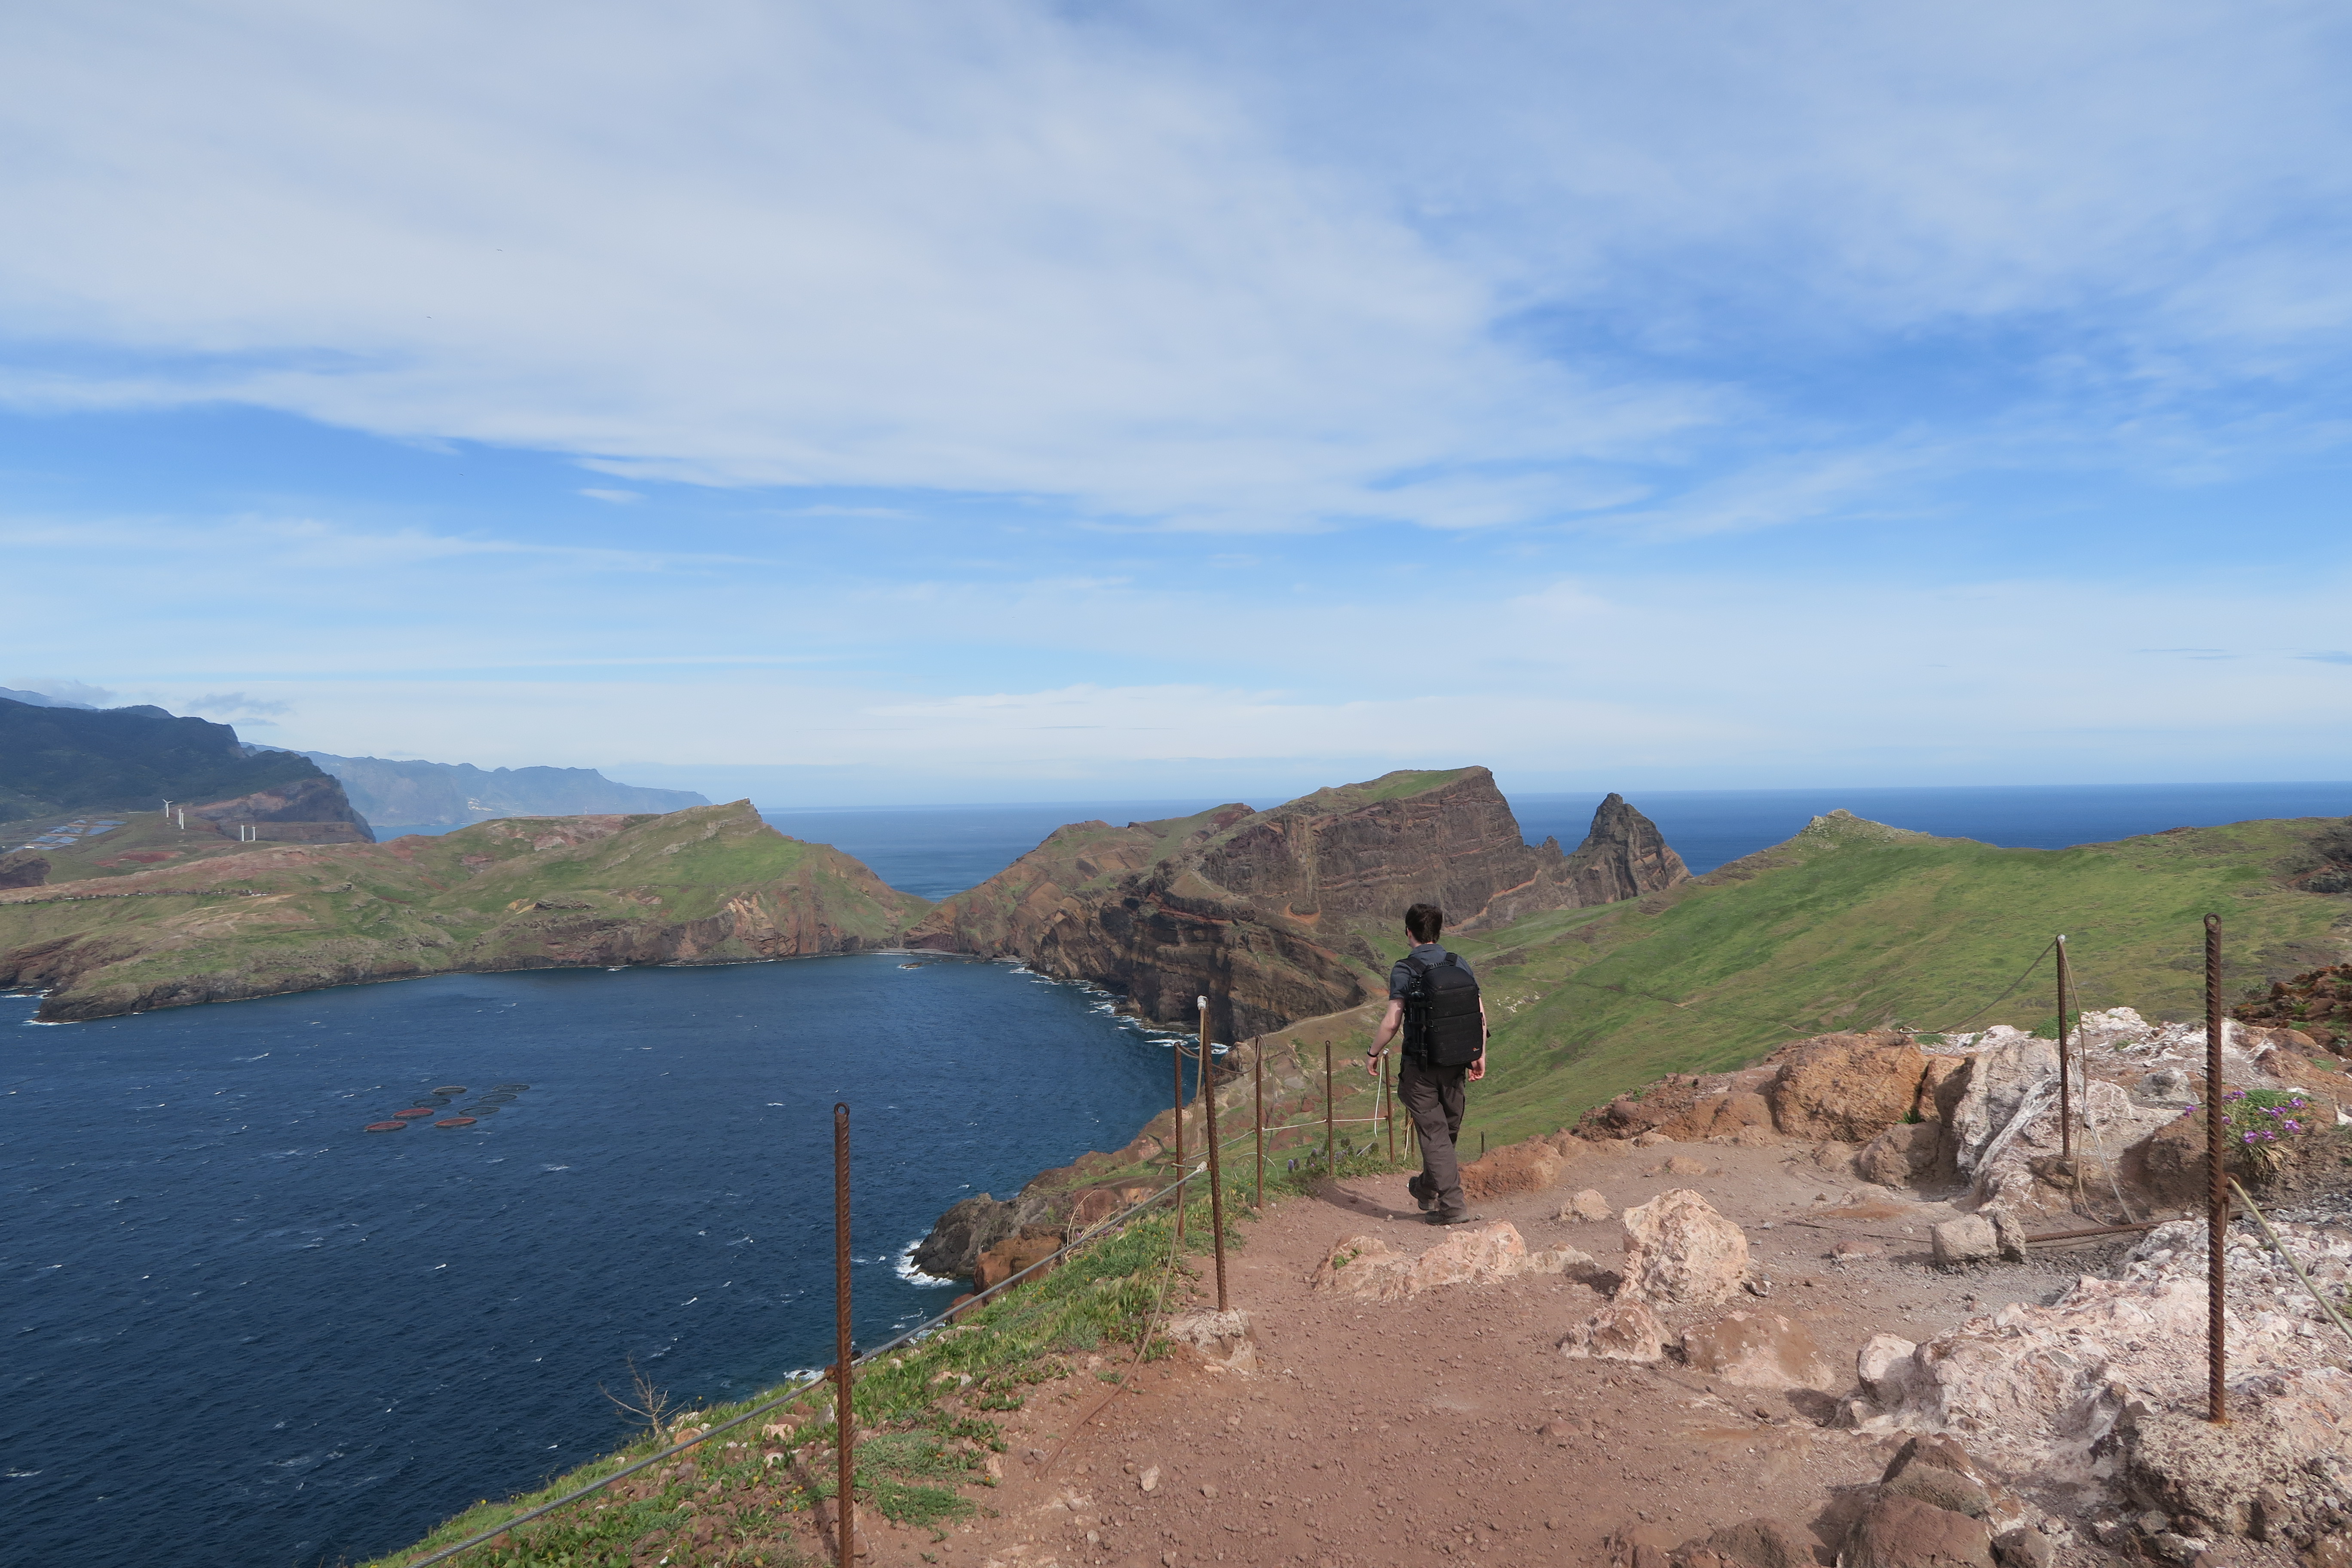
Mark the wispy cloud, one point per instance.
(1164, 262)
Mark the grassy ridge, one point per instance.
(711, 883)
(1853, 925)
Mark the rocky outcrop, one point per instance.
(300, 811)
(23, 870)
(1267, 913)
(2318, 1000)
(952, 1249)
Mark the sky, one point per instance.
(1004, 401)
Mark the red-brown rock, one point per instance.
(1850, 1087)
(1904, 1533)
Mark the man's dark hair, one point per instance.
(1424, 920)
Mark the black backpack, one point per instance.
(1443, 1026)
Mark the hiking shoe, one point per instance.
(1421, 1196)
(1438, 1216)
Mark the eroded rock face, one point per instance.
(1369, 1269)
(1679, 1250)
(1264, 911)
(1016, 1255)
(23, 870)
(952, 1249)
(1851, 1087)
(1905, 1155)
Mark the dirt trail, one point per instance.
(1449, 1425)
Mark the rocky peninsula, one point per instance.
(1288, 913)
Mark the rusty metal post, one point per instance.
(2217, 1201)
(1388, 1097)
(1330, 1133)
(1257, 1113)
(1216, 1180)
(845, 1420)
(2066, 1072)
(1178, 1052)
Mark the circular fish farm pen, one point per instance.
(385, 1126)
(414, 1112)
(449, 1088)
(458, 1122)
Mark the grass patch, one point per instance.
(926, 1418)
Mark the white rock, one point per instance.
(1884, 1367)
(1679, 1250)
(1624, 1330)
(1370, 1268)
(1968, 1239)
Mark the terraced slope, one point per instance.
(712, 884)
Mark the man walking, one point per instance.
(1433, 998)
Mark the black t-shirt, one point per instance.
(1429, 952)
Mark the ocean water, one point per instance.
(934, 851)
(242, 1331)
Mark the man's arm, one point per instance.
(1391, 1022)
(1478, 1067)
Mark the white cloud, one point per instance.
(1222, 268)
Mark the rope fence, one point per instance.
(1204, 1052)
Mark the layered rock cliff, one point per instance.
(1285, 914)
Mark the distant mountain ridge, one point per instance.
(56, 759)
(43, 700)
(443, 794)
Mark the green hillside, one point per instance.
(712, 884)
(1854, 925)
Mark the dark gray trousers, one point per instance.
(1434, 1097)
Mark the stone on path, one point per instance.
(1624, 1330)
(1757, 1349)
(1679, 1250)
(1968, 1239)
(1586, 1205)
(1904, 1533)
(1373, 1269)
(1222, 1338)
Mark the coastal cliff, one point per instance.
(1292, 913)
(710, 885)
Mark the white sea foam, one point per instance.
(903, 1266)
